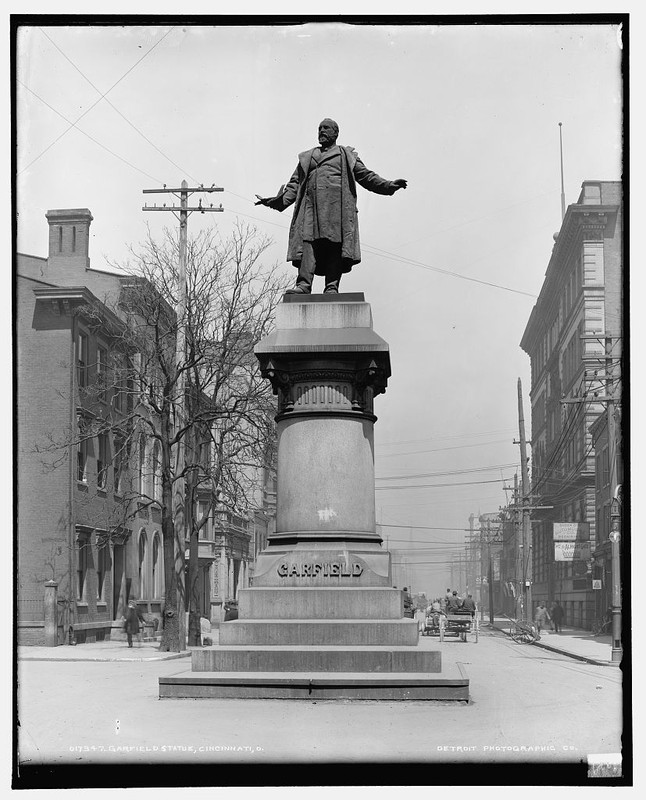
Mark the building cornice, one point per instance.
(581, 221)
(64, 298)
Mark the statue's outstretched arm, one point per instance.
(375, 183)
(285, 196)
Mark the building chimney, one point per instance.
(69, 236)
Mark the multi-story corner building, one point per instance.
(71, 483)
(88, 490)
(573, 338)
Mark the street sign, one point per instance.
(571, 531)
(572, 551)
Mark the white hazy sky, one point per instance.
(451, 267)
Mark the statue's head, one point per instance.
(328, 132)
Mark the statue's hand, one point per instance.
(262, 201)
(401, 183)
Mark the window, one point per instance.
(143, 587)
(102, 461)
(81, 358)
(83, 553)
(119, 384)
(82, 451)
(102, 566)
(74, 238)
(141, 483)
(605, 467)
(101, 371)
(157, 566)
(156, 474)
(60, 238)
(202, 508)
(119, 463)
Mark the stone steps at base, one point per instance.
(320, 632)
(335, 659)
(450, 685)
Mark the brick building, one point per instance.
(88, 490)
(71, 483)
(573, 338)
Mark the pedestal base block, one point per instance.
(315, 659)
(320, 632)
(452, 685)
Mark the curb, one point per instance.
(588, 659)
(107, 660)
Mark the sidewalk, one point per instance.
(573, 642)
(98, 651)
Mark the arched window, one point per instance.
(157, 566)
(142, 565)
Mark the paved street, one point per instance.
(527, 704)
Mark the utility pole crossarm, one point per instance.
(202, 209)
(184, 189)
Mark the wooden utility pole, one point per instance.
(525, 503)
(519, 603)
(611, 398)
(615, 505)
(182, 213)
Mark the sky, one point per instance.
(451, 267)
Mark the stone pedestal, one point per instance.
(322, 610)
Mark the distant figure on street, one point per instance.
(557, 613)
(469, 604)
(133, 618)
(324, 234)
(408, 603)
(455, 603)
(205, 632)
(541, 617)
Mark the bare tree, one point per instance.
(228, 407)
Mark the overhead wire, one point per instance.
(442, 474)
(87, 110)
(111, 104)
(73, 124)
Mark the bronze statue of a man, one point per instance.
(324, 234)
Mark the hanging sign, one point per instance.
(571, 531)
(572, 551)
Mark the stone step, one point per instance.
(320, 603)
(320, 632)
(452, 684)
(317, 659)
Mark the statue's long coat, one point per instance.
(353, 171)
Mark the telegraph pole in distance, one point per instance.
(525, 502)
(182, 213)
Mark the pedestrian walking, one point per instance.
(557, 613)
(541, 617)
(133, 618)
